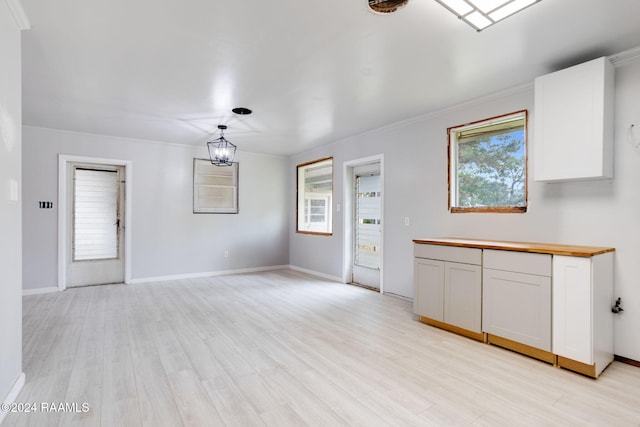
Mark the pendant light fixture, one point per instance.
(221, 151)
(386, 6)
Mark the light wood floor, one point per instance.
(285, 349)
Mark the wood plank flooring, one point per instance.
(285, 349)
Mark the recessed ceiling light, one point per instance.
(482, 13)
(242, 111)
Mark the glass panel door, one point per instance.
(95, 225)
(95, 211)
(367, 230)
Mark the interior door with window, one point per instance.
(367, 230)
(95, 224)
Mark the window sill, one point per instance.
(317, 233)
(489, 209)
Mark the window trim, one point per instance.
(298, 195)
(450, 170)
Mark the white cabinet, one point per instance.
(448, 287)
(463, 296)
(517, 297)
(573, 137)
(549, 301)
(582, 318)
(428, 291)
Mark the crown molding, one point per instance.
(625, 57)
(19, 14)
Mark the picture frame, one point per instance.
(215, 188)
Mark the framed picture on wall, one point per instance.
(215, 188)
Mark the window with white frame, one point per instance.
(314, 197)
(488, 165)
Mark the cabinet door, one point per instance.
(574, 122)
(463, 296)
(572, 328)
(517, 306)
(428, 288)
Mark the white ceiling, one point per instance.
(313, 71)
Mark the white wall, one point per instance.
(167, 238)
(10, 207)
(415, 153)
(415, 186)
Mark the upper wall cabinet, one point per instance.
(574, 123)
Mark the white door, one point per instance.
(95, 216)
(367, 230)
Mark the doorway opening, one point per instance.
(363, 208)
(94, 209)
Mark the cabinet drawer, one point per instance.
(448, 253)
(520, 262)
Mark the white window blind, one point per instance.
(215, 188)
(95, 213)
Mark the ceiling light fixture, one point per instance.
(386, 6)
(480, 14)
(221, 151)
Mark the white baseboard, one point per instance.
(37, 291)
(402, 297)
(206, 274)
(13, 393)
(316, 273)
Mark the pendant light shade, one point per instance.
(221, 151)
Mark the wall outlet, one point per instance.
(406, 221)
(226, 253)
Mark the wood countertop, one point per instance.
(540, 248)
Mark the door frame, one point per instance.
(63, 243)
(348, 210)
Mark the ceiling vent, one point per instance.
(386, 6)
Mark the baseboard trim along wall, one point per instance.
(206, 274)
(316, 273)
(13, 393)
(626, 360)
(37, 291)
